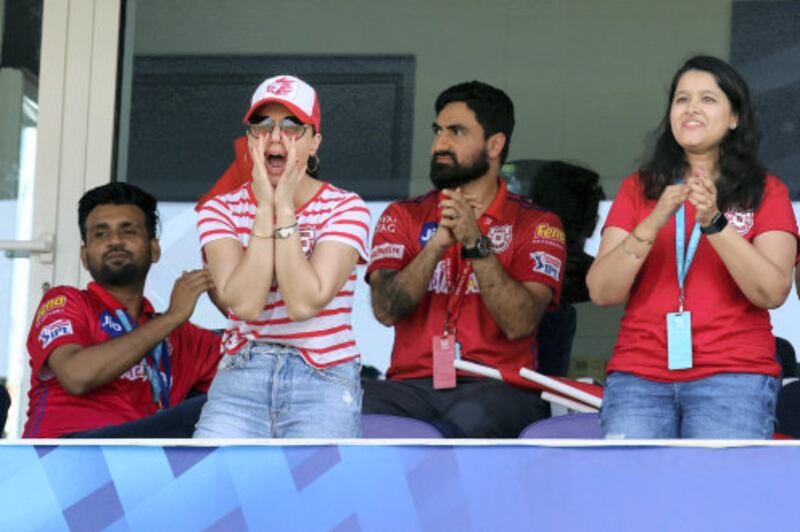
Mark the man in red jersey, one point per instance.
(464, 271)
(103, 363)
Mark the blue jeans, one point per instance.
(723, 406)
(269, 391)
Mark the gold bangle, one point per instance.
(259, 235)
(641, 240)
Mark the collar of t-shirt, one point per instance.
(113, 305)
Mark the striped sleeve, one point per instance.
(215, 221)
(349, 224)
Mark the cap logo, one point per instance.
(282, 87)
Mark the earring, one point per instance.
(312, 168)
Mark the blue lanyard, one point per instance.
(159, 385)
(680, 238)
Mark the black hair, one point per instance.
(493, 109)
(742, 177)
(118, 194)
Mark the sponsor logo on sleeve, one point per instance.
(51, 306)
(501, 236)
(427, 232)
(546, 264)
(308, 239)
(57, 329)
(742, 221)
(387, 251)
(548, 234)
(386, 224)
(440, 280)
(110, 325)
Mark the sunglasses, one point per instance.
(288, 125)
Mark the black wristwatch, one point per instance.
(482, 249)
(717, 224)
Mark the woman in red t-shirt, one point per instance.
(701, 242)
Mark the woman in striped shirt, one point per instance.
(282, 249)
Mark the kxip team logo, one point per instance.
(308, 239)
(501, 236)
(742, 221)
(282, 87)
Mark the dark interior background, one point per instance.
(186, 112)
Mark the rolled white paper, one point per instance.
(567, 403)
(561, 388)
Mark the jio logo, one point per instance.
(427, 232)
(110, 325)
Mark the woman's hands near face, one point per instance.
(263, 190)
(293, 173)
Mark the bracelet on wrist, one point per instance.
(279, 232)
(260, 235)
(641, 240)
(286, 231)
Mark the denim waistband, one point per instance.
(271, 348)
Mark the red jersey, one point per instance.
(528, 241)
(67, 315)
(729, 333)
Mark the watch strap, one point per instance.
(481, 249)
(717, 224)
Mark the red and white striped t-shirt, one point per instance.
(332, 214)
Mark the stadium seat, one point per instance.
(383, 426)
(573, 426)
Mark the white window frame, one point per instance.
(77, 109)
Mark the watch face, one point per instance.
(286, 232)
(484, 246)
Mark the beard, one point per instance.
(455, 175)
(131, 272)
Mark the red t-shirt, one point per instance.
(528, 242)
(67, 315)
(729, 334)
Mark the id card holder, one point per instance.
(444, 355)
(679, 340)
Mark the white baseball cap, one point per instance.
(293, 92)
